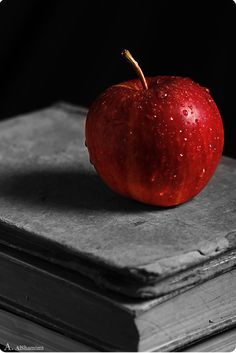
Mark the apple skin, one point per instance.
(159, 146)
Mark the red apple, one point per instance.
(156, 140)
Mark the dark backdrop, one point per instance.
(70, 49)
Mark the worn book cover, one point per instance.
(102, 269)
(54, 206)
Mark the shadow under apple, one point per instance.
(66, 189)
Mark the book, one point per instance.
(61, 301)
(223, 342)
(18, 333)
(102, 269)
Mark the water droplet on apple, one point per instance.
(210, 129)
(185, 112)
(180, 156)
(131, 132)
(180, 131)
(203, 172)
(151, 117)
(199, 148)
(161, 193)
(185, 139)
(207, 90)
(162, 94)
(153, 178)
(171, 118)
(174, 176)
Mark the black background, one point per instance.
(70, 50)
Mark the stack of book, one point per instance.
(104, 271)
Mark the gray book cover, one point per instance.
(54, 206)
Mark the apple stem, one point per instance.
(126, 54)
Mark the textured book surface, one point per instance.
(14, 329)
(64, 301)
(54, 206)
